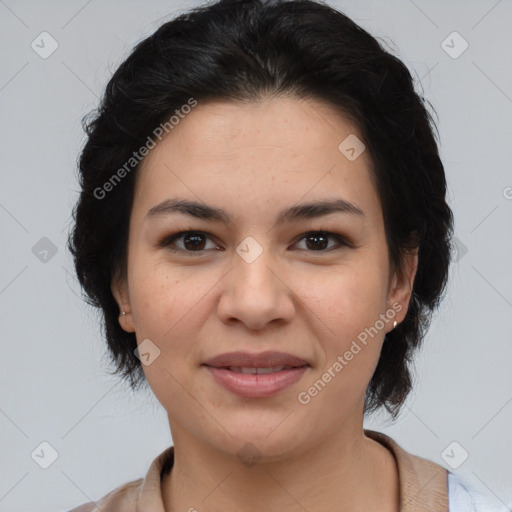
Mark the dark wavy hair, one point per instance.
(245, 50)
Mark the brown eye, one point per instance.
(318, 241)
(315, 242)
(192, 241)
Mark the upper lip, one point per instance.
(255, 360)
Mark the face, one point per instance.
(314, 283)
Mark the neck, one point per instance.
(348, 471)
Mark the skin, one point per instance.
(307, 299)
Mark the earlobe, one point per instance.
(403, 282)
(119, 290)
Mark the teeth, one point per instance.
(252, 371)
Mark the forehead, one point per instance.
(274, 150)
(221, 127)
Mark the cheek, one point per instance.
(161, 296)
(347, 298)
(170, 306)
(163, 309)
(347, 303)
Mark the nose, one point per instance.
(256, 293)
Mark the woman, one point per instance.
(263, 224)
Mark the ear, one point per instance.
(119, 288)
(401, 286)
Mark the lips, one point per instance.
(258, 371)
(237, 361)
(257, 385)
(256, 375)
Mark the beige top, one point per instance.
(423, 484)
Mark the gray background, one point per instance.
(54, 385)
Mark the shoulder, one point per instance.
(464, 497)
(122, 498)
(137, 495)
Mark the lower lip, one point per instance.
(257, 385)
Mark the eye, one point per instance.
(318, 241)
(196, 241)
(193, 241)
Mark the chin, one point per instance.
(272, 442)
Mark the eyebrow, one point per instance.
(294, 213)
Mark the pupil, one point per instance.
(312, 237)
(197, 241)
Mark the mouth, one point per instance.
(256, 375)
(266, 361)
(247, 370)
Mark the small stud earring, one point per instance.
(123, 312)
(395, 323)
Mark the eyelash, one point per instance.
(169, 240)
